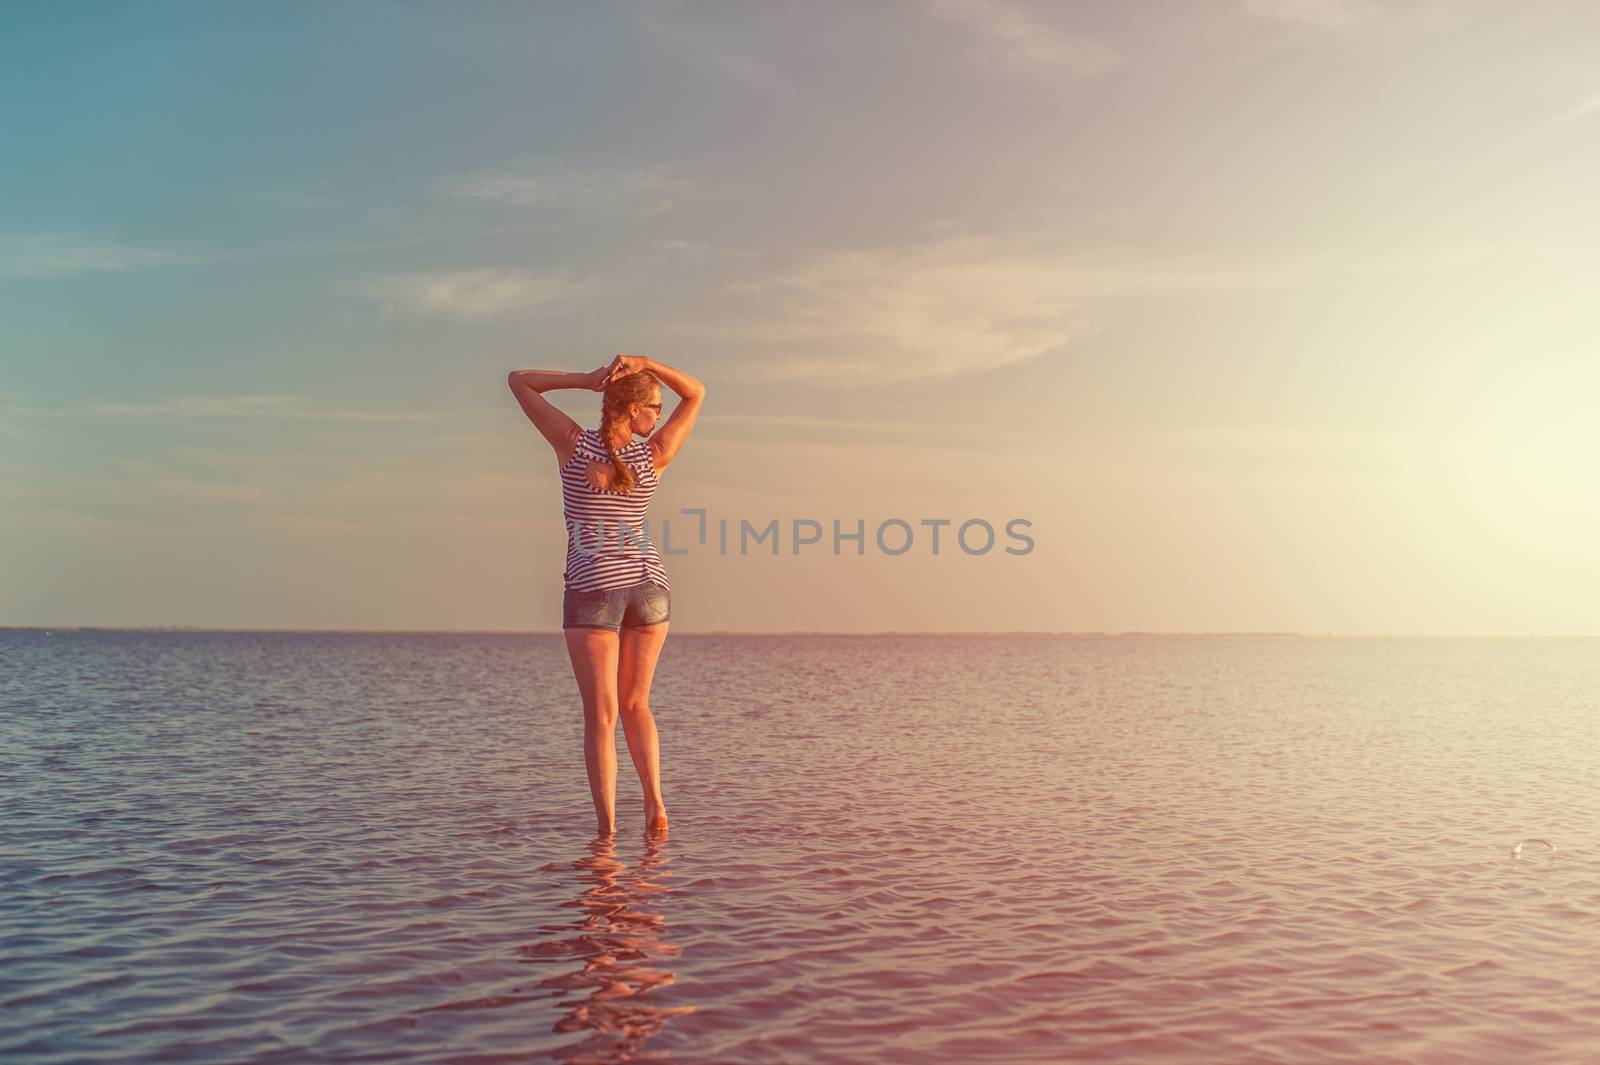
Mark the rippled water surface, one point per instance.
(297, 848)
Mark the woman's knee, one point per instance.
(635, 708)
(600, 714)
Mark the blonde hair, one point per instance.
(614, 402)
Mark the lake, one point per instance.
(297, 847)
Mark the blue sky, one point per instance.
(1268, 315)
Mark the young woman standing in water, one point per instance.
(615, 605)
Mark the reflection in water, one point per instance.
(618, 937)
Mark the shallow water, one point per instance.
(295, 847)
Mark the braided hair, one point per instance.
(634, 388)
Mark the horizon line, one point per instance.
(1079, 633)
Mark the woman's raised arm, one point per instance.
(670, 435)
(552, 421)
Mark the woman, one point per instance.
(615, 605)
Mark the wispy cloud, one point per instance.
(281, 407)
(1581, 109)
(47, 255)
(1427, 17)
(707, 44)
(61, 254)
(480, 293)
(739, 419)
(354, 247)
(1330, 14)
(693, 251)
(949, 307)
(1287, 444)
(303, 196)
(645, 189)
(1014, 40)
(315, 479)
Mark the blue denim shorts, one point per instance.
(611, 608)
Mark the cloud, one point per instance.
(1287, 443)
(303, 196)
(312, 479)
(945, 308)
(739, 420)
(1426, 17)
(1013, 40)
(480, 293)
(1582, 109)
(61, 254)
(668, 21)
(349, 247)
(43, 255)
(694, 251)
(283, 407)
(651, 189)
(1330, 14)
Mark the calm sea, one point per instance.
(299, 848)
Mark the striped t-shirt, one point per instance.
(608, 537)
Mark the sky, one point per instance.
(1271, 315)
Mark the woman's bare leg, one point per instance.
(636, 668)
(594, 664)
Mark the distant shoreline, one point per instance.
(1128, 635)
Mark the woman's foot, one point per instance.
(655, 817)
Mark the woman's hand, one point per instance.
(597, 379)
(623, 365)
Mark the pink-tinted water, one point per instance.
(295, 848)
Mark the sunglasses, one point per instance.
(652, 406)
